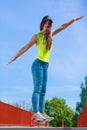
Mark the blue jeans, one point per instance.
(39, 73)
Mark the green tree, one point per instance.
(58, 109)
(83, 97)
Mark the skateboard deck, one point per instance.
(42, 123)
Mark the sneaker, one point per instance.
(38, 117)
(48, 118)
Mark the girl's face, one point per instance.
(47, 25)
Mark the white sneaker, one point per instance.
(48, 118)
(38, 117)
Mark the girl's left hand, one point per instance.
(78, 18)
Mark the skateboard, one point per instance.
(42, 123)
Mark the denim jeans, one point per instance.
(39, 73)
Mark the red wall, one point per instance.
(11, 115)
(82, 119)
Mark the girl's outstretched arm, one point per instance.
(24, 49)
(65, 25)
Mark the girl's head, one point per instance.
(46, 23)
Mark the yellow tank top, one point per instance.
(43, 54)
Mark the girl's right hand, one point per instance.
(11, 60)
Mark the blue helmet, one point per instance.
(45, 18)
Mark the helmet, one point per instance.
(45, 18)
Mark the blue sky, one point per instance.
(19, 21)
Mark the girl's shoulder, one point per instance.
(39, 35)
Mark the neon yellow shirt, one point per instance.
(43, 54)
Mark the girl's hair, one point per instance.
(47, 34)
(48, 39)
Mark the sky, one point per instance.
(19, 21)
